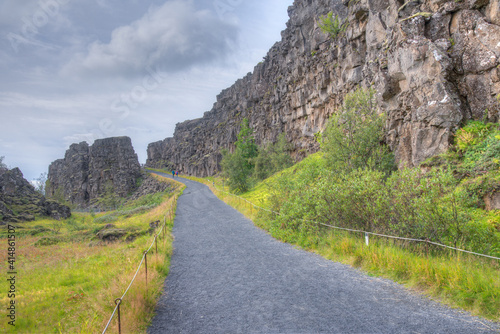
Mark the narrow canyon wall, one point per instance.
(87, 172)
(434, 64)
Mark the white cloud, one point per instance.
(172, 37)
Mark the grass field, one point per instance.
(67, 279)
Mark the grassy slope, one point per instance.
(70, 287)
(461, 281)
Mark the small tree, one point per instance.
(2, 164)
(332, 26)
(272, 158)
(246, 143)
(353, 138)
(238, 166)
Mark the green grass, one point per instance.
(70, 286)
(463, 281)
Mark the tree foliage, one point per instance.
(238, 166)
(272, 158)
(2, 164)
(249, 163)
(352, 139)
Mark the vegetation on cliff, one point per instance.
(333, 26)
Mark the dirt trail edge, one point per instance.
(228, 276)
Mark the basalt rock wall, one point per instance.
(20, 202)
(433, 63)
(88, 172)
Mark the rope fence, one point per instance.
(144, 260)
(427, 241)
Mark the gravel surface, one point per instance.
(228, 276)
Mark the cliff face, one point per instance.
(434, 64)
(87, 172)
(20, 202)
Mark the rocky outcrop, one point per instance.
(434, 64)
(151, 185)
(492, 201)
(88, 172)
(19, 201)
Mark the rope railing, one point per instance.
(119, 301)
(360, 231)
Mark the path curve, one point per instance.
(228, 276)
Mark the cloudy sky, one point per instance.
(79, 70)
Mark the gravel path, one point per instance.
(227, 276)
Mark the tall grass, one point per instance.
(70, 286)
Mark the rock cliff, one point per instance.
(20, 202)
(434, 64)
(87, 172)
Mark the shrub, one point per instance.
(333, 26)
(355, 200)
(74, 225)
(352, 138)
(408, 203)
(272, 158)
(106, 219)
(48, 241)
(472, 133)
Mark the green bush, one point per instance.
(150, 200)
(333, 26)
(407, 204)
(106, 219)
(48, 241)
(74, 225)
(272, 158)
(472, 133)
(479, 144)
(352, 138)
(250, 163)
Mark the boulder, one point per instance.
(492, 201)
(112, 234)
